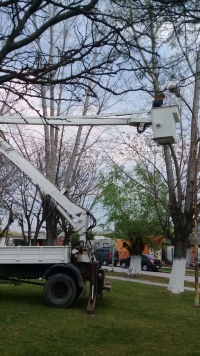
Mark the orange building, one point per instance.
(123, 252)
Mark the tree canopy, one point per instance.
(130, 208)
(81, 30)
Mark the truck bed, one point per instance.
(34, 254)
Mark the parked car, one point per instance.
(104, 256)
(148, 262)
(192, 264)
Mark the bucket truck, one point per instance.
(62, 271)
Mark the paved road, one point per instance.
(151, 273)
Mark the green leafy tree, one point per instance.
(130, 211)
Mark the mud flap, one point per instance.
(93, 287)
(97, 285)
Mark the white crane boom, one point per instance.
(163, 121)
(76, 215)
(95, 120)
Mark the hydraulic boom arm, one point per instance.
(163, 122)
(76, 215)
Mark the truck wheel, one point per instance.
(60, 290)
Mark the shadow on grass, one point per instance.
(27, 296)
(21, 295)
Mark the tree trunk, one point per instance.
(51, 221)
(184, 221)
(135, 249)
(135, 265)
(176, 283)
(51, 141)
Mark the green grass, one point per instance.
(165, 269)
(133, 319)
(188, 272)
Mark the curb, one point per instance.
(146, 282)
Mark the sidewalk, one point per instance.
(145, 282)
(167, 275)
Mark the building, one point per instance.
(190, 255)
(191, 249)
(156, 252)
(101, 241)
(18, 240)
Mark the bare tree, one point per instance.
(175, 73)
(23, 24)
(37, 62)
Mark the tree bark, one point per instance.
(49, 211)
(135, 265)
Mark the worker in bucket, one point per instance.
(158, 101)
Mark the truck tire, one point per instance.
(60, 291)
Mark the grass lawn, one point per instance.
(188, 272)
(132, 320)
